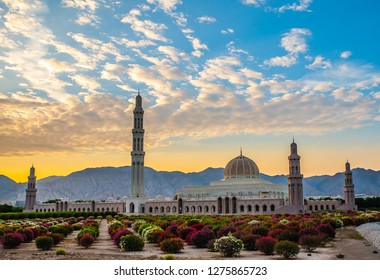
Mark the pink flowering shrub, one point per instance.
(224, 231)
(12, 240)
(266, 245)
(172, 245)
(86, 240)
(27, 234)
(119, 234)
(201, 238)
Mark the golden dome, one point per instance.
(241, 167)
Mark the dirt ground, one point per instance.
(103, 249)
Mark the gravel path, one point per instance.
(371, 232)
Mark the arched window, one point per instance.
(265, 208)
(213, 208)
(333, 207)
(199, 209)
(174, 209)
(316, 207)
(167, 209)
(327, 207)
(206, 209)
(156, 209)
(150, 209)
(257, 208)
(187, 209)
(249, 208)
(272, 208)
(311, 208)
(162, 209)
(322, 207)
(241, 208)
(192, 209)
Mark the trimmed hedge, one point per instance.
(44, 242)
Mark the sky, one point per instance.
(214, 75)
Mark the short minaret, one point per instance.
(137, 154)
(349, 191)
(295, 188)
(31, 191)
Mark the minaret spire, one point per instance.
(138, 154)
(241, 151)
(31, 190)
(295, 187)
(349, 189)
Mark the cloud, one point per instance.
(166, 5)
(345, 54)
(294, 42)
(86, 18)
(319, 62)
(301, 6)
(346, 94)
(86, 82)
(195, 42)
(256, 3)
(227, 31)
(207, 19)
(173, 53)
(91, 5)
(147, 28)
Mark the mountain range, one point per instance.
(104, 182)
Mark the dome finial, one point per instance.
(293, 138)
(241, 151)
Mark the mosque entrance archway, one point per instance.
(220, 210)
(227, 205)
(131, 207)
(234, 210)
(180, 202)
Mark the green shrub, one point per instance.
(131, 242)
(228, 246)
(287, 249)
(169, 257)
(310, 242)
(211, 245)
(152, 235)
(60, 252)
(77, 226)
(44, 242)
(136, 225)
(172, 245)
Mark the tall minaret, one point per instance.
(31, 190)
(137, 176)
(349, 191)
(295, 188)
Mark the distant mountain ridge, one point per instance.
(104, 182)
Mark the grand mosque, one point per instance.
(241, 191)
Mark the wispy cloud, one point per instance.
(345, 54)
(227, 31)
(207, 19)
(319, 62)
(294, 42)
